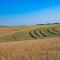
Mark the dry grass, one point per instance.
(4, 30)
(23, 28)
(29, 49)
(44, 49)
(19, 33)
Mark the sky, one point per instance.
(29, 12)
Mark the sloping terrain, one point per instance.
(29, 32)
(5, 30)
(42, 49)
(40, 42)
(44, 32)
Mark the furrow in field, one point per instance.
(36, 33)
(39, 33)
(48, 32)
(54, 30)
(51, 31)
(31, 33)
(42, 33)
(43, 30)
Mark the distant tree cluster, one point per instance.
(56, 23)
(48, 23)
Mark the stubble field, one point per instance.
(38, 42)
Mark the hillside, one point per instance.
(42, 49)
(37, 42)
(18, 33)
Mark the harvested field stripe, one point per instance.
(50, 31)
(56, 31)
(35, 32)
(41, 32)
(14, 37)
(32, 35)
(47, 32)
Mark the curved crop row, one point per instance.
(49, 34)
(56, 31)
(51, 31)
(35, 32)
(32, 35)
(40, 35)
(44, 32)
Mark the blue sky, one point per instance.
(28, 12)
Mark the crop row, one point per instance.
(43, 32)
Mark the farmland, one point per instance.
(4, 30)
(29, 32)
(44, 49)
(36, 42)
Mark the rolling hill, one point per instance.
(18, 33)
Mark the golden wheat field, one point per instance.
(44, 49)
(38, 42)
